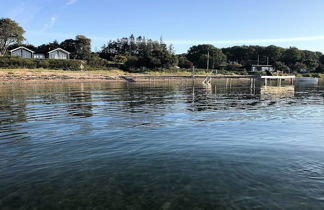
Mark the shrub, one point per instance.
(120, 59)
(4, 62)
(16, 62)
(184, 63)
(43, 64)
(131, 64)
(64, 64)
(320, 69)
(96, 63)
(234, 67)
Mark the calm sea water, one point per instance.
(161, 145)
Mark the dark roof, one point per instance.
(21, 47)
(59, 49)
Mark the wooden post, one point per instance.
(215, 89)
(226, 84)
(193, 71)
(254, 85)
(208, 61)
(193, 91)
(230, 84)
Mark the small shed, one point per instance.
(22, 52)
(58, 53)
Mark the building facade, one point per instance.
(59, 53)
(39, 56)
(22, 52)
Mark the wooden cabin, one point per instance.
(58, 53)
(22, 52)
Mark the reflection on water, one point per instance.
(79, 102)
(275, 92)
(161, 145)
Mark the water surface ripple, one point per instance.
(161, 145)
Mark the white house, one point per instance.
(59, 53)
(22, 52)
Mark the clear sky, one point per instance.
(182, 23)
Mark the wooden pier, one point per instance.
(278, 78)
(254, 79)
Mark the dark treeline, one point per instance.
(132, 54)
(242, 57)
(287, 60)
(138, 54)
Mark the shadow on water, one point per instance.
(161, 145)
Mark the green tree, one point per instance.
(10, 33)
(183, 62)
(131, 63)
(311, 64)
(274, 53)
(310, 59)
(70, 46)
(80, 47)
(281, 66)
(241, 54)
(198, 55)
(320, 68)
(321, 59)
(120, 59)
(45, 48)
(29, 46)
(83, 47)
(140, 53)
(291, 56)
(299, 66)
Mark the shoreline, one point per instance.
(46, 75)
(111, 79)
(40, 76)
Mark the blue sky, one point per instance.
(182, 23)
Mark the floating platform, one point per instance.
(278, 78)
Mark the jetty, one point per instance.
(279, 79)
(265, 80)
